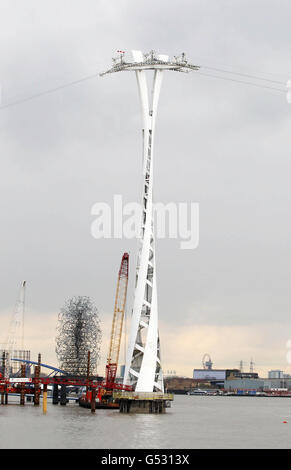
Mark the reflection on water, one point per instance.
(192, 422)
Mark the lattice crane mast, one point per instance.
(15, 339)
(117, 323)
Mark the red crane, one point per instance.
(117, 323)
(104, 394)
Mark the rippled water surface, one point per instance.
(192, 422)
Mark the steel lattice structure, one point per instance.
(117, 321)
(143, 364)
(78, 332)
(14, 346)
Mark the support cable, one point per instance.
(221, 77)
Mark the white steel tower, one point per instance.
(143, 363)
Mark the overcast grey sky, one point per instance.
(222, 144)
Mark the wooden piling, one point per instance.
(55, 394)
(36, 385)
(3, 374)
(93, 400)
(44, 399)
(22, 385)
(63, 400)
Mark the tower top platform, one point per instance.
(150, 61)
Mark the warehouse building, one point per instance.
(214, 374)
(275, 374)
(232, 385)
(273, 384)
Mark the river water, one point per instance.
(193, 422)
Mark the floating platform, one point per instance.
(98, 405)
(142, 402)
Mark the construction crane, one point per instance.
(117, 323)
(104, 394)
(15, 338)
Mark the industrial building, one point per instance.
(257, 384)
(275, 374)
(210, 374)
(277, 383)
(232, 385)
(217, 376)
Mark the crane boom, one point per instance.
(15, 338)
(117, 322)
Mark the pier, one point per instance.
(143, 402)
